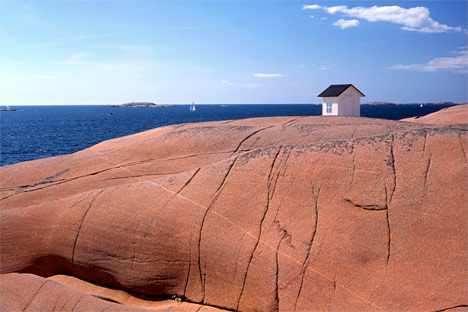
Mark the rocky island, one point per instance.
(263, 214)
(142, 104)
(7, 109)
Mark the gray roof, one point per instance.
(336, 90)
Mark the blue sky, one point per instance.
(109, 52)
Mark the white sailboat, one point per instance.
(192, 107)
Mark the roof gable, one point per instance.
(336, 90)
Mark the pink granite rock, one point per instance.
(448, 116)
(28, 292)
(286, 213)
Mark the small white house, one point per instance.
(341, 100)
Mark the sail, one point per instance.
(192, 107)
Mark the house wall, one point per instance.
(349, 103)
(357, 107)
(334, 101)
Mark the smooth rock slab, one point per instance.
(28, 292)
(288, 214)
(448, 116)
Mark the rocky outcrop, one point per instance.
(448, 116)
(27, 292)
(285, 213)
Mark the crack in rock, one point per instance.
(267, 206)
(367, 206)
(305, 264)
(81, 224)
(45, 181)
(216, 196)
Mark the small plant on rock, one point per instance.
(176, 298)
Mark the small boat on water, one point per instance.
(192, 107)
(7, 109)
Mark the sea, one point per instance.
(33, 132)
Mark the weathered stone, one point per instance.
(286, 213)
(28, 292)
(448, 116)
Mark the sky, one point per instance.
(230, 52)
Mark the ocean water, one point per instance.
(33, 132)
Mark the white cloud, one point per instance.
(76, 58)
(311, 7)
(226, 83)
(412, 19)
(261, 75)
(333, 10)
(343, 24)
(45, 77)
(311, 16)
(457, 64)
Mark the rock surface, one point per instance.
(27, 292)
(448, 116)
(285, 213)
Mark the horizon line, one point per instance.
(181, 104)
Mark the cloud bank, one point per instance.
(457, 64)
(412, 19)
